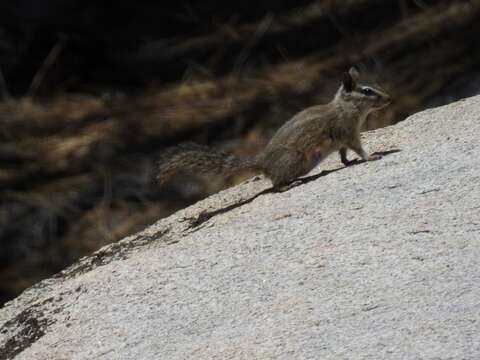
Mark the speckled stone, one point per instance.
(380, 260)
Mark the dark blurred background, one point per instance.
(93, 91)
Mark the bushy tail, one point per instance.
(195, 159)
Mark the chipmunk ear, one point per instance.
(348, 82)
(354, 73)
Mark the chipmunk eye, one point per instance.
(368, 92)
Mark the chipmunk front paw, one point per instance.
(349, 162)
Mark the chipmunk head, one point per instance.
(365, 97)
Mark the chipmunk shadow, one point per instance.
(307, 179)
(207, 215)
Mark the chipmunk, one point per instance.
(298, 146)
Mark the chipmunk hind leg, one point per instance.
(283, 166)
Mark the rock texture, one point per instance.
(377, 260)
(118, 85)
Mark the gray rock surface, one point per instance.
(379, 260)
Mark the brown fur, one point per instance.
(298, 146)
(200, 160)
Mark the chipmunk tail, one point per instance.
(195, 159)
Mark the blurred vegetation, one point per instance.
(92, 92)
